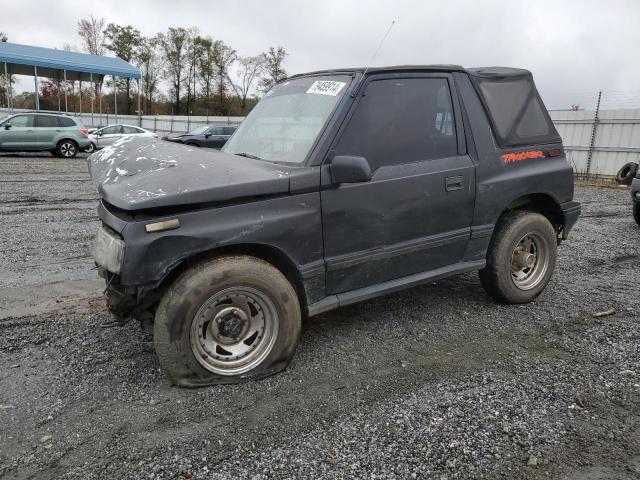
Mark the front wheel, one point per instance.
(67, 149)
(227, 320)
(521, 258)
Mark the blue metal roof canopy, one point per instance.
(79, 66)
(62, 65)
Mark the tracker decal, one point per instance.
(519, 156)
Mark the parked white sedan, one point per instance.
(105, 136)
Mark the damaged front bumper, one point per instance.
(125, 302)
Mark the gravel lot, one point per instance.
(435, 382)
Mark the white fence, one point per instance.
(599, 146)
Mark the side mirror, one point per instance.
(207, 135)
(348, 169)
(7, 126)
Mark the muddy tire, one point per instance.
(626, 173)
(636, 212)
(227, 320)
(521, 258)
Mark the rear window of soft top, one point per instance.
(517, 114)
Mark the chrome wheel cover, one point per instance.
(529, 261)
(234, 330)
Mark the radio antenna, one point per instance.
(393, 22)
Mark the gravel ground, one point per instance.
(47, 219)
(434, 382)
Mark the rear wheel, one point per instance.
(521, 258)
(67, 149)
(91, 148)
(227, 320)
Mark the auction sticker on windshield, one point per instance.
(326, 87)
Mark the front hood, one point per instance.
(139, 173)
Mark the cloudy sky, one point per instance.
(574, 48)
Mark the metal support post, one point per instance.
(593, 134)
(35, 81)
(66, 100)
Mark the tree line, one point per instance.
(204, 76)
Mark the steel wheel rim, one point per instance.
(529, 261)
(234, 330)
(90, 148)
(67, 149)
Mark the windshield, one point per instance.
(199, 130)
(286, 122)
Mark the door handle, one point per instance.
(454, 183)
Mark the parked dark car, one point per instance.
(339, 186)
(212, 136)
(635, 197)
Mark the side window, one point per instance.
(66, 122)
(229, 130)
(217, 131)
(400, 121)
(46, 121)
(22, 121)
(114, 130)
(129, 130)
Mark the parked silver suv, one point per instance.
(59, 134)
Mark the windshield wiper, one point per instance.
(248, 155)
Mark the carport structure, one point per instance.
(63, 66)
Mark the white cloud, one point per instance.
(574, 48)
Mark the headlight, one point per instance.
(108, 250)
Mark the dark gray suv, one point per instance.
(61, 135)
(338, 187)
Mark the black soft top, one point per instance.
(479, 72)
(513, 105)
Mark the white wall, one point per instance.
(617, 139)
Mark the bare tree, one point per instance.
(3, 37)
(174, 45)
(91, 31)
(207, 69)
(223, 58)
(249, 69)
(273, 67)
(150, 62)
(194, 52)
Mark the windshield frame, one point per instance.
(330, 122)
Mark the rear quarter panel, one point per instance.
(502, 179)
